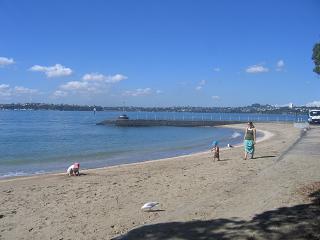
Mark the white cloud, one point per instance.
(91, 83)
(138, 92)
(215, 97)
(59, 93)
(57, 70)
(280, 65)
(117, 78)
(4, 86)
(75, 85)
(7, 91)
(102, 78)
(313, 104)
(216, 69)
(201, 84)
(6, 61)
(93, 77)
(159, 92)
(24, 90)
(257, 69)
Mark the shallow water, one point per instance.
(48, 141)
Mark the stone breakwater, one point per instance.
(174, 123)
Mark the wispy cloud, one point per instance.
(313, 104)
(75, 85)
(59, 94)
(7, 91)
(216, 69)
(57, 70)
(103, 78)
(6, 61)
(201, 85)
(215, 97)
(138, 92)
(257, 69)
(24, 90)
(93, 77)
(280, 65)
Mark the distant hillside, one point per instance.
(45, 106)
(254, 108)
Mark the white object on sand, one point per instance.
(149, 205)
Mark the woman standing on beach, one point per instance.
(249, 140)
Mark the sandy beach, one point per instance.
(268, 197)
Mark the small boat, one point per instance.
(123, 117)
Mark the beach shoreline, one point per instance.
(266, 135)
(105, 203)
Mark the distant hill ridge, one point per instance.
(254, 108)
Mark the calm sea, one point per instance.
(34, 142)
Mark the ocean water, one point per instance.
(34, 142)
(48, 141)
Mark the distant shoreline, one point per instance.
(254, 108)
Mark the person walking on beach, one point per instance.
(249, 140)
(216, 151)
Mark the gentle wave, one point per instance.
(14, 174)
(236, 135)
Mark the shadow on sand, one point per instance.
(297, 222)
(270, 156)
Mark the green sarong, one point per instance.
(249, 146)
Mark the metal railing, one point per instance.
(216, 117)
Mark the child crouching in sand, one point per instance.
(215, 150)
(74, 170)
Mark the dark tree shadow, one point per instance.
(292, 223)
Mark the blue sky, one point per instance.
(159, 53)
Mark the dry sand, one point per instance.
(199, 198)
